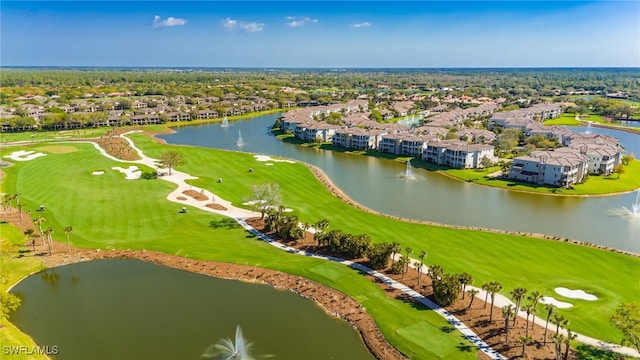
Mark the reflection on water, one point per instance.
(379, 184)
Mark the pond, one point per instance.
(380, 185)
(130, 309)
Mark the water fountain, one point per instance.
(240, 142)
(589, 129)
(635, 208)
(225, 122)
(408, 173)
(227, 349)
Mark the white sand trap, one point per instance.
(269, 158)
(269, 164)
(97, 173)
(131, 173)
(558, 304)
(575, 294)
(24, 155)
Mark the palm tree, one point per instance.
(38, 222)
(421, 256)
(465, 279)
(435, 272)
(524, 340)
(529, 309)
(560, 321)
(535, 297)
(485, 287)
(67, 231)
(395, 248)
(47, 234)
(20, 206)
(30, 233)
(408, 251)
(320, 226)
(550, 308)
(494, 289)
(518, 294)
(567, 343)
(472, 294)
(305, 227)
(507, 312)
(558, 340)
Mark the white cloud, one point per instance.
(252, 26)
(231, 25)
(299, 21)
(170, 21)
(361, 25)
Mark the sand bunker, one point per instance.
(24, 155)
(575, 294)
(97, 173)
(269, 158)
(558, 304)
(131, 173)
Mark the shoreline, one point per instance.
(444, 173)
(337, 192)
(453, 177)
(332, 301)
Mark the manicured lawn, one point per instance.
(135, 214)
(15, 269)
(108, 211)
(513, 260)
(40, 136)
(593, 118)
(595, 185)
(564, 119)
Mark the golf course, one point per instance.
(108, 211)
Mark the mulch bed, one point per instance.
(196, 195)
(117, 147)
(215, 206)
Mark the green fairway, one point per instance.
(109, 212)
(41, 136)
(564, 119)
(515, 261)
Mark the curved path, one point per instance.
(240, 215)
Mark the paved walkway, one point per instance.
(501, 301)
(240, 215)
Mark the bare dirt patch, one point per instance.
(215, 206)
(196, 195)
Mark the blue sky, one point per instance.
(321, 33)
